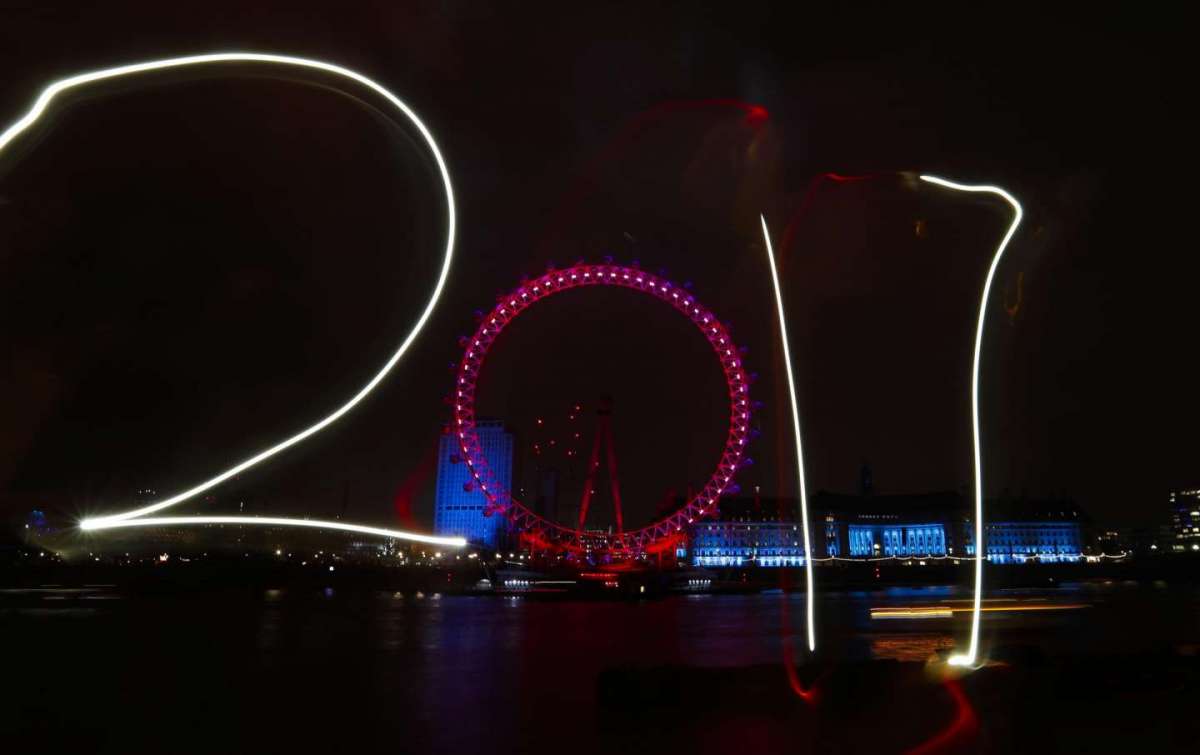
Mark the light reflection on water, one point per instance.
(910, 647)
(54, 601)
(455, 673)
(696, 629)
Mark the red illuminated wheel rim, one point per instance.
(551, 534)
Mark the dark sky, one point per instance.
(195, 265)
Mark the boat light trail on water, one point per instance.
(40, 107)
(271, 521)
(946, 612)
(810, 601)
(969, 658)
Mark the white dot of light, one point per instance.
(106, 523)
(39, 108)
(810, 600)
(968, 658)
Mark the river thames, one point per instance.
(98, 668)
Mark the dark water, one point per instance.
(97, 670)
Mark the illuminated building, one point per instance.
(750, 532)
(1111, 541)
(903, 540)
(767, 532)
(1142, 541)
(873, 526)
(1017, 542)
(459, 503)
(1185, 520)
(36, 523)
(1046, 530)
(936, 524)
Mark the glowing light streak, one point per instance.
(787, 363)
(968, 658)
(1043, 607)
(946, 612)
(106, 523)
(932, 612)
(43, 102)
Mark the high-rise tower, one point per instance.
(458, 503)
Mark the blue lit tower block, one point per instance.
(459, 504)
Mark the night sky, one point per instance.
(194, 265)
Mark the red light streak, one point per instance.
(1015, 307)
(754, 118)
(789, 231)
(807, 694)
(785, 245)
(847, 179)
(410, 485)
(665, 545)
(964, 725)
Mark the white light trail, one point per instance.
(968, 658)
(53, 90)
(268, 521)
(810, 602)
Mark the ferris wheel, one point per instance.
(542, 532)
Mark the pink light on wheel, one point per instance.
(500, 499)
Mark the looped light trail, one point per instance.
(40, 106)
(968, 658)
(810, 601)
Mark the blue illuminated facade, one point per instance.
(36, 521)
(458, 507)
(766, 533)
(891, 526)
(1019, 542)
(747, 543)
(897, 539)
(1020, 530)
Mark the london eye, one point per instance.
(550, 535)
